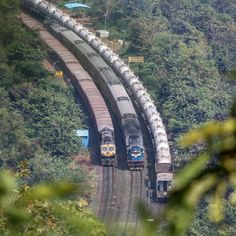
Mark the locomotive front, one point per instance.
(134, 142)
(107, 148)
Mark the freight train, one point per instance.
(164, 170)
(112, 90)
(87, 90)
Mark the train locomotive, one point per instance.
(152, 117)
(107, 147)
(135, 151)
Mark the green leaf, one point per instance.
(216, 204)
(190, 172)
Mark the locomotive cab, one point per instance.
(107, 148)
(164, 180)
(135, 158)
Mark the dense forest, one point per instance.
(39, 114)
(189, 49)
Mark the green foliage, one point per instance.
(8, 22)
(44, 168)
(220, 142)
(203, 226)
(55, 128)
(41, 210)
(14, 143)
(38, 115)
(188, 88)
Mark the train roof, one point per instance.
(124, 103)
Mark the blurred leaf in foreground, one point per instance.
(40, 210)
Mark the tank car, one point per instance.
(112, 89)
(164, 175)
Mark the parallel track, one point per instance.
(136, 195)
(107, 194)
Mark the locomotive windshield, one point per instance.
(164, 186)
(136, 150)
(104, 149)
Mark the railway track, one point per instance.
(161, 164)
(107, 194)
(136, 195)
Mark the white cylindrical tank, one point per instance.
(36, 2)
(79, 28)
(71, 23)
(84, 33)
(95, 42)
(107, 54)
(102, 48)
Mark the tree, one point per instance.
(188, 87)
(14, 142)
(54, 128)
(44, 168)
(202, 224)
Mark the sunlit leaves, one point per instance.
(210, 131)
(190, 172)
(7, 187)
(216, 205)
(212, 172)
(49, 191)
(41, 211)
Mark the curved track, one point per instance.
(160, 145)
(107, 194)
(119, 190)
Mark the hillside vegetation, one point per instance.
(39, 114)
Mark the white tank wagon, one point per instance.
(155, 124)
